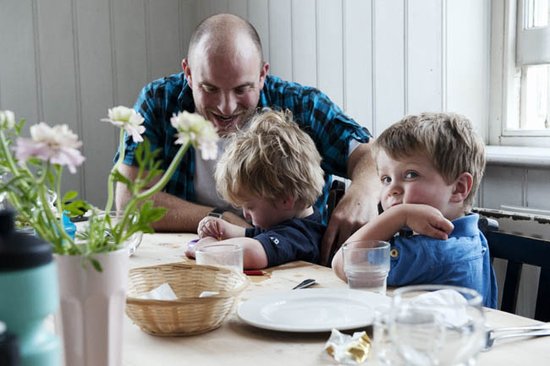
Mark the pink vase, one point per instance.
(92, 308)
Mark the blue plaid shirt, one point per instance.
(325, 122)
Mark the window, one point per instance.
(520, 110)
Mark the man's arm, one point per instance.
(182, 215)
(359, 204)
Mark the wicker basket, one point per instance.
(189, 314)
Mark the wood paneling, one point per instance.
(378, 59)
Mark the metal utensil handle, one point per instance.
(305, 283)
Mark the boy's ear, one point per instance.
(462, 187)
(287, 203)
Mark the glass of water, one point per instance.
(437, 325)
(366, 264)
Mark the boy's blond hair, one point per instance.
(271, 159)
(447, 139)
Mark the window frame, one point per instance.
(506, 79)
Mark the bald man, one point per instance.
(225, 80)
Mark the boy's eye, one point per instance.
(385, 179)
(411, 175)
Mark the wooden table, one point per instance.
(236, 343)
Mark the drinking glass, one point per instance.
(366, 264)
(437, 325)
(133, 242)
(221, 255)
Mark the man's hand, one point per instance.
(359, 204)
(351, 213)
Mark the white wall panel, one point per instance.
(258, 16)
(358, 53)
(330, 61)
(503, 186)
(280, 38)
(389, 63)
(238, 7)
(467, 59)
(206, 8)
(95, 91)
(129, 41)
(58, 65)
(165, 46)
(18, 70)
(424, 52)
(304, 45)
(537, 188)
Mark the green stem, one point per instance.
(57, 240)
(6, 152)
(110, 183)
(165, 177)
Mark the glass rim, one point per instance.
(475, 297)
(216, 245)
(384, 244)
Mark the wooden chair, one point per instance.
(519, 250)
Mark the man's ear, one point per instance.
(187, 71)
(462, 187)
(263, 73)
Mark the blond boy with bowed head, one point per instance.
(273, 171)
(430, 167)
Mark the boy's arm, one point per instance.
(254, 256)
(422, 219)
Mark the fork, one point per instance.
(513, 332)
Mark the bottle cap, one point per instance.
(19, 250)
(9, 347)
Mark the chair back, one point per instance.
(519, 250)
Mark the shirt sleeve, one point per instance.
(292, 240)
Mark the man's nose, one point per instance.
(228, 104)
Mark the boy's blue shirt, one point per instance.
(462, 260)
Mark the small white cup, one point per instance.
(221, 255)
(366, 265)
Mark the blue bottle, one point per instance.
(28, 293)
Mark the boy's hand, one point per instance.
(219, 229)
(427, 220)
(192, 246)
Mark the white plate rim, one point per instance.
(249, 310)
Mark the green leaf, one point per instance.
(96, 264)
(77, 207)
(69, 196)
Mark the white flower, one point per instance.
(198, 131)
(128, 119)
(7, 119)
(57, 145)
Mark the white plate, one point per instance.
(312, 310)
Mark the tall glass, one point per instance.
(366, 264)
(437, 325)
